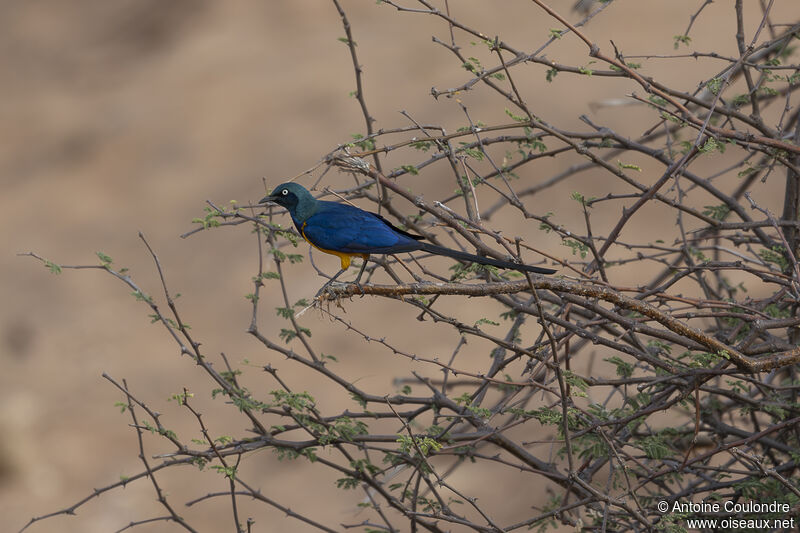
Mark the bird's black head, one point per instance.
(281, 196)
(292, 196)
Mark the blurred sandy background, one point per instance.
(126, 116)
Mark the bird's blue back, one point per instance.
(348, 229)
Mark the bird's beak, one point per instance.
(267, 199)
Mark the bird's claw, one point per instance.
(322, 290)
(340, 285)
(360, 288)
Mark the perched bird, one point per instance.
(347, 231)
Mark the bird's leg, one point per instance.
(327, 283)
(358, 278)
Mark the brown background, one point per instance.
(126, 116)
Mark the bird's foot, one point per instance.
(322, 290)
(329, 285)
(339, 284)
(360, 288)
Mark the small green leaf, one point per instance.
(516, 118)
(411, 169)
(421, 145)
(681, 39)
(54, 268)
(717, 212)
(654, 447)
(363, 143)
(710, 145)
(714, 85)
(629, 166)
(142, 297)
(106, 260)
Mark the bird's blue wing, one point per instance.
(348, 229)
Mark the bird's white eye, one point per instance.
(285, 192)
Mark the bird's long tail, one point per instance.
(463, 256)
